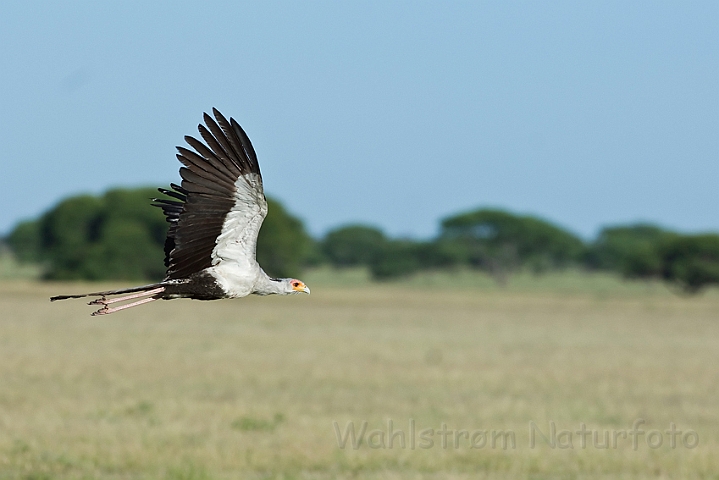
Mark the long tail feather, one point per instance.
(110, 292)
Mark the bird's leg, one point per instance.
(106, 310)
(105, 301)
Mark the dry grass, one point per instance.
(250, 388)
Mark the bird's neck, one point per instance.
(266, 286)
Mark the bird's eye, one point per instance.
(295, 284)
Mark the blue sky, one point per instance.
(390, 113)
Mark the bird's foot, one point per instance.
(103, 311)
(99, 301)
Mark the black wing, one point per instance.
(199, 206)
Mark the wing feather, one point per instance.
(216, 212)
(173, 194)
(211, 185)
(222, 147)
(208, 179)
(241, 145)
(188, 156)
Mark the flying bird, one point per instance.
(215, 216)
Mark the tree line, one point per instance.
(117, 235)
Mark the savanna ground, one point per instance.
(251, 388)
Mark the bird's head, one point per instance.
(295, 286)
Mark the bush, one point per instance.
(692, 261)
(634, 250)
(353, 245)
(24, 241)
(437, 254)
(283, 244)
(115, 236)
(397, 258)
(500, 242)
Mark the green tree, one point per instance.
(283, 245)
(691, 261)
(115, 236)
(632, 250)
(396, 258)
(353, 245)
(500, 242)
(25, 242)
(437, 254)
(125, 250)
(66, 234)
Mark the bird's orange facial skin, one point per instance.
(298, 286)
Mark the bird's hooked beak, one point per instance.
(301, 288)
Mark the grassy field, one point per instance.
(252, 388)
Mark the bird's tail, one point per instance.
(142, 288)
